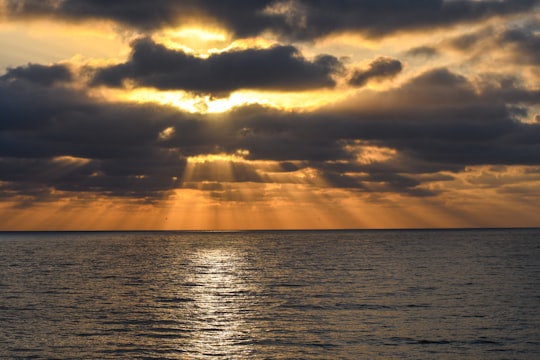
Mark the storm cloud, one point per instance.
(58, 138)
(293, 19)
(40, 74)
(276, 68)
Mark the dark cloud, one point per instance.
(277, 68)
(438, 118)
(509, 89)
(58, 138)
(521, 44)
(524, 42)
(245, 17)
(365, 16)
(379, 69)
(39, 74)
(26, 106)
(423, 51)
(300, 19)
(472, 41)
(236, 172)
(135, 13)
(149, 178)
(380, 177)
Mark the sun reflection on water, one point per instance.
(221, 301)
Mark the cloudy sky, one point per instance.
(210, 114)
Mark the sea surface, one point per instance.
(426, 294)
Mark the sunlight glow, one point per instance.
(371, 183)
(186, 101)
(368, 154)
(209, 158)
(42, 41)
(166, 133)
(194, 39)
(71, 160)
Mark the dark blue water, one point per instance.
(271, 295)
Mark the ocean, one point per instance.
(403, 294)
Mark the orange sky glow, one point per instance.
(205, 120)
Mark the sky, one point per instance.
(269, 114)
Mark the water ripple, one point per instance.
(271, 295)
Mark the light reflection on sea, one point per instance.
(271, 295)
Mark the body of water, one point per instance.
(456, 294)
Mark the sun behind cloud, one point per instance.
(269, 114)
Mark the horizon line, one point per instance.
(269, 230)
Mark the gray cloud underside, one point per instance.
(521, 43)
(41, 74)
(525, 43)
(436, 122)
(379, 69)
(277, 68)
(423, 51)
(291, 19)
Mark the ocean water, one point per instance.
(459, 294)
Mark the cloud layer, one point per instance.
(276, 68)
(438, 122)
(295, 19)
(379, 69)
(372, 100)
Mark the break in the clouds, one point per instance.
(245, 107)
(293, 19)
(58, 138)
(275, 68)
